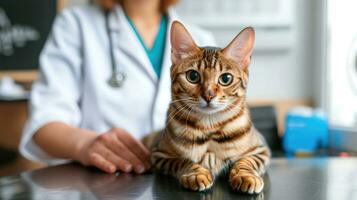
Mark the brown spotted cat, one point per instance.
(209, 126)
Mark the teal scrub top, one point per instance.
(156, 53)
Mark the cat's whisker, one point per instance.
(185, 101)
(188, 114)
(181, 99)
(179, 109)
(184, 97)
(171, 116)
(183, 112)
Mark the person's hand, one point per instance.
(112, 151)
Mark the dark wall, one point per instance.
(24, 27)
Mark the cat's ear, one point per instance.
(182, 44)
(241, 47)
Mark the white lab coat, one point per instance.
(75, 68)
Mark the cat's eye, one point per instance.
(193, 76)
(225, 79)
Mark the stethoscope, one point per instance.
(117, 76)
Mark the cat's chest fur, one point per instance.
(222, 151)
(212, 141)
(212, 155)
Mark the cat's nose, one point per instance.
(208, 96)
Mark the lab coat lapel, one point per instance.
(166, 62)
(128, 43)
(164, 87)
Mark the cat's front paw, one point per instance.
(198, 179)
(247, 183)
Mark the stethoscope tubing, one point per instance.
(117, 77)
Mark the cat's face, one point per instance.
(209, 80)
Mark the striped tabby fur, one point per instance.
(209, 128)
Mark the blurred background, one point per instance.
(305, 55)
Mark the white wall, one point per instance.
(286, 73)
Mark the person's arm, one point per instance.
(50, 134)
(110, 151)
(55, 96)
(61, 140)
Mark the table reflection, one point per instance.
(293, 179)
(72, 181)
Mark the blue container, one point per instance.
(306, 130)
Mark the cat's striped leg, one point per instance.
(245, 174)
(191, 175)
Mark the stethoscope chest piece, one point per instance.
(116, 80)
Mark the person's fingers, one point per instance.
(120, 163)
(120, 149)
(100, 162)
(134, 145)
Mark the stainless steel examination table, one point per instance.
(287, 179)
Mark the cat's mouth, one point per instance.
(209, 107)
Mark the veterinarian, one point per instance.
(104, 84)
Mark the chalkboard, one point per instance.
(24, 27)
